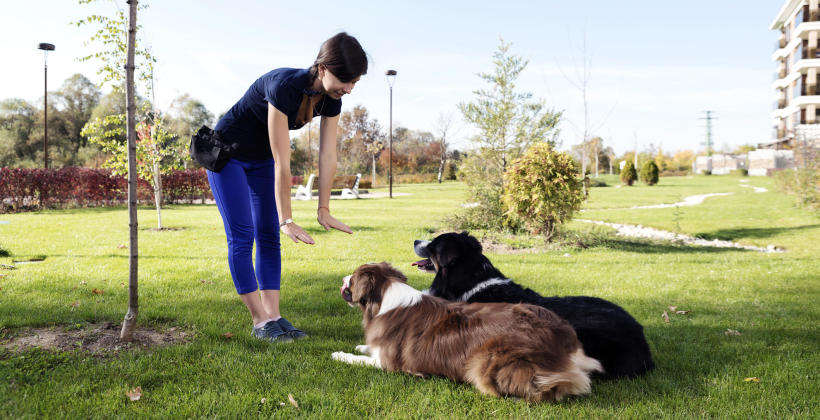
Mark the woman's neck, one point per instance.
(316, 86)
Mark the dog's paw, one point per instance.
(341, 356)
(363, 349)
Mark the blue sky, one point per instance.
(656, 66)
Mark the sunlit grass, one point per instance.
(770, 298)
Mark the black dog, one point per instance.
(607, 332)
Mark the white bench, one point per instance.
(303, 191)
(349, 185)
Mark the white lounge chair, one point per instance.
(352, 192)
(303, 192)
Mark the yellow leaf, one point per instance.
(135, 394)
(753, 379)
(292, 401)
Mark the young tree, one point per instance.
(117, 55)
(508, 122)
(157, 153)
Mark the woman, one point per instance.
(252, 191)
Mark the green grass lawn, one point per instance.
(772, 299)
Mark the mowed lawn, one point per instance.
(770, 299)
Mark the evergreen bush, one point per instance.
(542, 188)
(649, 173)
(629, 175)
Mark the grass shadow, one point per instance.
(650, 247)
(749, 233)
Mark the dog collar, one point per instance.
(481, 286)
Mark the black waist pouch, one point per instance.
(211, 150)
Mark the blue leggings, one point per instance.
(245, 195)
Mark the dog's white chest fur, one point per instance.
(399, 295)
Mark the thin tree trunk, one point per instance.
(596, 164)
(158, 194)
(130, 321)
(441, 167)
(373, 177)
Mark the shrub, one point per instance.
(542, 189)
(649, 173)
(739, 172)
(803, 183)
(34, 189)
(629, 174)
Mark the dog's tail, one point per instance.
(516, 374)
(574, 380)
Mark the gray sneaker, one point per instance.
(290, 330)
(272, 332)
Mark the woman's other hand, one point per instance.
(296, 233)
(329, 222)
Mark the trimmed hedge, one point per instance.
(35, 189)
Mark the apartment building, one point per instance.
(797, 97)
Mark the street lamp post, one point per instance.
(391, 79)
(46, 47)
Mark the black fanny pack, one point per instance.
(211, 150)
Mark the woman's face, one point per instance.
(334, 87)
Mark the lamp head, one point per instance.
(45, 46)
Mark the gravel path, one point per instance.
(639, 231)
(692, 200)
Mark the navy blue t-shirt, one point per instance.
(247, 121)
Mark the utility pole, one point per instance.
(709, 117)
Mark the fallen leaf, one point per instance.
(682, 312)
(752, 379)
(135, 393)
(83, 283)
(97, 291)
(292, 401)
(121, 246)
(281, 403)
(673, 308)
(227, 335)
(75, 304)
(730, 331)
(665, 317)
(122, 284)
(264, 400)
(205, 281)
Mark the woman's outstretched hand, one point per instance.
(329, 222)
(296, 233)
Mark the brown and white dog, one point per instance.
(504, 349)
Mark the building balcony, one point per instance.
(800, 34)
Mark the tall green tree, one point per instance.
(185, 116)
(76, 99)
(17, 121)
